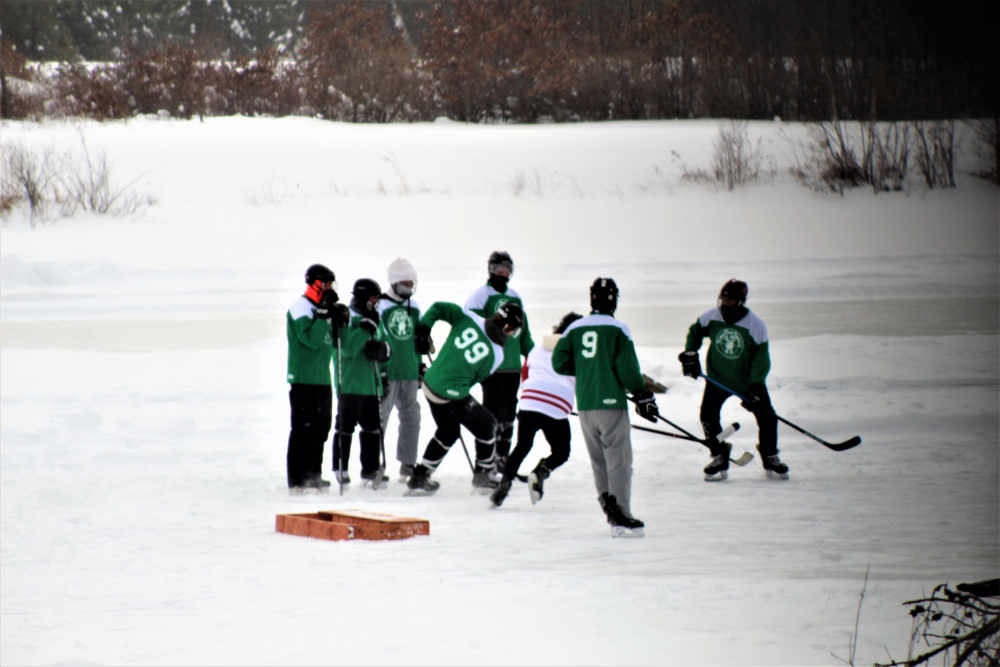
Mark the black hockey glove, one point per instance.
(645, 405)
(755, 398)
(422, 338)
(341, 315)
(368, 325)
(377, 350)
(327, 302)
(690, 363)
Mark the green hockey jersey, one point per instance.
(397, 321)
(310, 344)
(467, 357)
(357, 373)
(738, 354)
(599, 351)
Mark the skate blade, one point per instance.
(622, 531)
(419, 492)
(720, 476)
(778, 476)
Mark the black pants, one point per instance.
(354, 410)
(556, 431)
(312, 409)
(767, 423)
(500, 398)
(449, 418)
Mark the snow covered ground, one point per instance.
(144, 405)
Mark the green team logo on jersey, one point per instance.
(729, 343)
(399, 324)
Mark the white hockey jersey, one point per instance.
(542, 389)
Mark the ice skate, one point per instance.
(718, 469)
(622, 525)
(500, 494)
(484, 480)
(420, 483)
(773, 467)
(536, 483)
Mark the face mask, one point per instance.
(732, 314)
(499, 283)
(402, 290)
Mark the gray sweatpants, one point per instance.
(402, 395)
(609, 444)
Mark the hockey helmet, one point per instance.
(604, 296)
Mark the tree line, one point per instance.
(500, 60)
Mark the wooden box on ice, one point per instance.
(351, 525)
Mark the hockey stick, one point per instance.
(835, 446)
(380, 473)
(741, 460)
(340, 457)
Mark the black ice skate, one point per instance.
(484, 480)
(718, 469)
(622, 525)
(420, 482)
(500, 494)
(773, 467)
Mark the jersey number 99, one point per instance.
(478, 350)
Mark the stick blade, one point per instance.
(846, 444)
(742, 459)
(653, 385)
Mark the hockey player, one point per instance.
(738, 357)
(359, 385)
(546, 402)
(500, 389)
(598, 350)
(399, 314)
(310, 348)
(471, 353)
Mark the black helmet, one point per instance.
(735, 289)
(365, 289)
(320, 273)
(500, 258)
(510, 315)
(567, 320)
(604, 296)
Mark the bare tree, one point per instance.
(963, 628)
(358, 65)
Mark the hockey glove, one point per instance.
(341, 315)
(377, 350)
(690, 363)
(327, 302)
(369, 326)
(645, 405)
(422, 339)
(756, 398)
